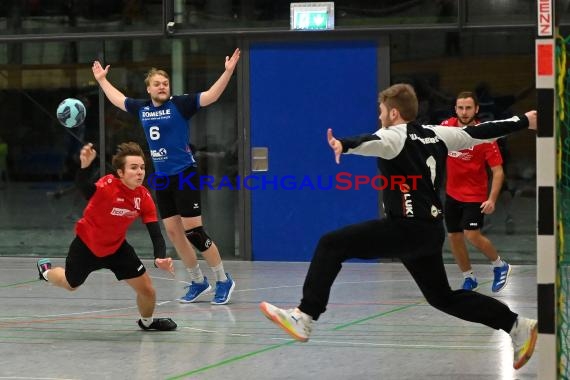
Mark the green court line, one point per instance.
(275, 346)
(230, 360)
(18, 283)
(339, 327)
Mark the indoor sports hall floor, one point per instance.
(377, 327)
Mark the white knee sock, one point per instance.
(498, 263)
(196, 274)
(219, 272)
(469, 273)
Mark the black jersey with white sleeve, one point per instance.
(418, 153)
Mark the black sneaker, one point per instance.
(43, 265)
(160, 324)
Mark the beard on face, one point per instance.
(161, 98)
(469, 121)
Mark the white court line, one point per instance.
(83, 312)
(336, 284)
(367, 344)
(67, 314)
(394, 345)
(107, 273)
(202, 330)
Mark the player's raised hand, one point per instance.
(87, 155)
(232, 61)
(98, 71)
(335, 145)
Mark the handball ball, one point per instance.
(71, 113)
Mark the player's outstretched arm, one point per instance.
(463, 138)
(159, 247)
(214, 93)
(115, 96)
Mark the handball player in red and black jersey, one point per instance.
(115, 202)
(165, 120)
(468, 198)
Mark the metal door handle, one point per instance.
(259, 159)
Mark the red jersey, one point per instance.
(109, 213)
(467, 179)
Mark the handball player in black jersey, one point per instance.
(412, 228)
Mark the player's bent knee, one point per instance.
(328, 241)
(440, 302)
(199, 238)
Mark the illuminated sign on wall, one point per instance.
(312, 16)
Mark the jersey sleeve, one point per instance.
(148, 208)
(466, 137)
(158, 243)
(104, 181)
(493, 154)
(134, 105)
(386, 143)
(84, 184)
(187, 104)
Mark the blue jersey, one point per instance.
(167, 130)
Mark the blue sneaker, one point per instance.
(224, 291)
(470, 284)
(195, 290)
(501, 277)
(43, 265)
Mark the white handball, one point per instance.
(71, 113)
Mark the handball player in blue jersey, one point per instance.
(165, 120)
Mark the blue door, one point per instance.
(297, 91)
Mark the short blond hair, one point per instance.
(402, 97)
(152, 72)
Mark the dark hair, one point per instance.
(401, 97)
(467, 95)
(123, 150)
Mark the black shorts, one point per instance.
(80, 262)
(460, 216)
(181, 196)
